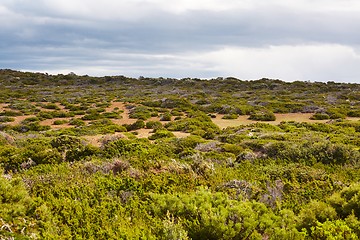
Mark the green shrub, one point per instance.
(154, 125)
(72, 148)
(206, 215)
(140, 112)
(161, 134)
(199, 123)
(315, 212)
(136, 125)
(230, 116)
(165, 117)
(262, 116)
(338, 229)
(76, 122)
(33, 126)
(30, 120)
(353, 113)
(91, 116)
(320, 116)
(10, 113)
(51, 106)
(60, 122)
(110, 115)
(6, 119)
(18, 220)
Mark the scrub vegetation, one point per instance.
(122, 158)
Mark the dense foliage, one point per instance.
(293, 180)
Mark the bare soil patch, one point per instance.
(97, 140)
(243, 120)
(125, 115)
(50, 122)
(181, 134)
(19, 119)
(3, 106)
(144, 133)
(114, 105)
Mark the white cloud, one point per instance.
(304, 39)
(289, 63)
(301, 62)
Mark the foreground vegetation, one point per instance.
(294, 180)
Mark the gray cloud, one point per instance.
(158, 39)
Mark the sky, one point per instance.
(306, 40)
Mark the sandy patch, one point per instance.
(19, 119)
(3, 106)
(243, 120)
(143, 133)
(113, 105)
(181, 134)
(97, 140)
(50, 122)
(353, 118)
(125, 115)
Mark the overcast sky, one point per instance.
(316, 40)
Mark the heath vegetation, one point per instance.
(289, 180)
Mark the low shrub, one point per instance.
(76, 122)
(161, 134)
(262, 116)
(4, 119)
(230, 116)
(165, 117)
(60, 122)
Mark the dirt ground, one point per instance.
(243, 120)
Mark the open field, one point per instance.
(152, 158)
(222, 123)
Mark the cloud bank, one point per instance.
(304, 40)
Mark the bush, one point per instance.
(33, 126)
(154, 125)
(320, 116)
(60, 122)
(72, 148)
(91, 116)
(347, 202)
(315, 212)
(10, 113)
(6, 119)
(16, 209)
(136, 125)
(206, 215)
(354, 113)
(230, 116)
(161, 134)
(110, 115)
(262, 116)
(165, 117)
(198, 123)
(51, 106)
(77, 122)
(140, 112)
